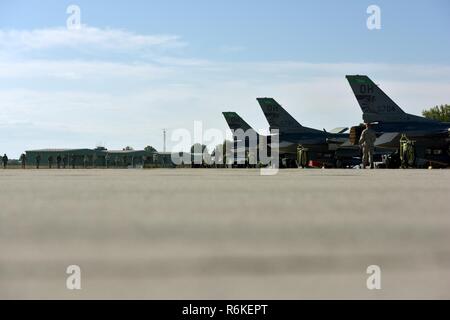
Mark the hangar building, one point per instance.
(98, 157)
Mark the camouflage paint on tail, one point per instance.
(374, 103)
(279, 118)
(235, 122)
(245, 136)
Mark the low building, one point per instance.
(98, 157)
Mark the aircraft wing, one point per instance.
(388, 139)
(281, 145)
(337, 140)
(347, 144)
(339, 130)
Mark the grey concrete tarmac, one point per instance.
(224, 234)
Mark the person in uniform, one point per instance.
(58, 161)
(38, 161)
(5, 161)
(23, 160)
(367, 143)
(73, 159)
(107, 161)
(50, 161)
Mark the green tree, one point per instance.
(439, 113)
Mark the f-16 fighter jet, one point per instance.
(390, 122)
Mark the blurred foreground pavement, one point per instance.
(224, 234)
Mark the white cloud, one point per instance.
(79, 69)
(85, 37)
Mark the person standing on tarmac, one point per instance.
(23, 160)
(38, 161)
(73, 159)
(367, 142)
(85, 161)
(58, 161)
(5, 161)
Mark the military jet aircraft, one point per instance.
(246, 139)
(390, 122)
(329, 148)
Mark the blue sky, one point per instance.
(139, 66)
(313, 31)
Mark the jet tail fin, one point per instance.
(235, 122)
(277, 116)
(375, 104)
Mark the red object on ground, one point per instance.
(314, 164)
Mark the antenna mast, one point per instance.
(164, 136)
